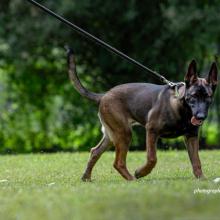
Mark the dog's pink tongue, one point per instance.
(195, 121)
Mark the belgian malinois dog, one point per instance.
(164, 111)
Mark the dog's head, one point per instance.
(198, 92)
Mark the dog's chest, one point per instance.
(172, 130)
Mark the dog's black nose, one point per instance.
(200, 116)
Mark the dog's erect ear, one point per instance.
(212, 78)
(191, 75)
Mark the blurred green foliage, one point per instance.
(39, 109)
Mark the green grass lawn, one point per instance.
(48, 186)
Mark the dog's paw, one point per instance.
(137, 174)
(201, 177)
(86, 178)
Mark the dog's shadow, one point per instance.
(145, 180)
(174, 179)
(164, 179)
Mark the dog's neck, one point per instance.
(180, 91)
(179, 101)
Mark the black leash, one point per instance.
(102, 43)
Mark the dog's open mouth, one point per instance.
(196, 121)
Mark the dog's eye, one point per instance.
(192, 100)
(193, 95)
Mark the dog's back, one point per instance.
(136, 98)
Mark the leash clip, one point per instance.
(177, 94)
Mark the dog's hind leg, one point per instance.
(121, 141)
(115, 118)
(96, 153)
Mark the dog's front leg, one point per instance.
(192, 144)
(151, 155)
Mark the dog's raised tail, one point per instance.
(75, 80)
